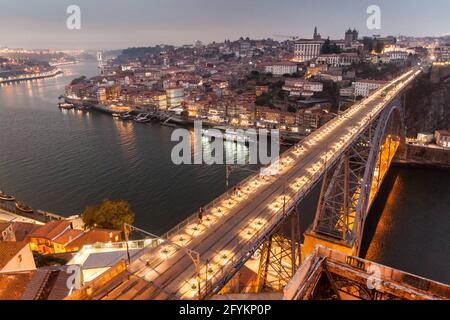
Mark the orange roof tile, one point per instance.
(51, 230)
(8, 249)
(13, 285)
(95, 235)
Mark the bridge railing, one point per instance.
(213, 204)
(242, 250)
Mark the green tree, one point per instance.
(264, 99)
(379, 47)
(78, 80)
(109, 215)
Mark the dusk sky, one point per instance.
(114, 24)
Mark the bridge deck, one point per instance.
(230, 229)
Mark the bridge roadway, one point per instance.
(236, 224)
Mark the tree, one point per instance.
(379, 47)
(109, 215)
(263, 99)
(78, 80)
(328, 47)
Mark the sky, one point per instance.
(117, 24)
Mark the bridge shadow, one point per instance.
(377, 209)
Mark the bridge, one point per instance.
(349, 157)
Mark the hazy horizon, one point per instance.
(114, 24)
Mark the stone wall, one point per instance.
(426, 156)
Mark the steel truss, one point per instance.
(357, 289)
(346, 188)
(280, 256)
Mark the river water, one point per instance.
(63, 161)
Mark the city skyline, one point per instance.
(111, 25)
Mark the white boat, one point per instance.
(237, 136)
(66, 106)
(229, 135)
(143, 118)
(5, 197)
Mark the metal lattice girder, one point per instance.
(346, 188)
(280, 257)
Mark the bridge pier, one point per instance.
(350, 186)
(280, 256)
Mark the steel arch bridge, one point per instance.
(350, 155)
(350, 186)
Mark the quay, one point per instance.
(43, 75)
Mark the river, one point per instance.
(63, 161)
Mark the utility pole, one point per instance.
(125, 232)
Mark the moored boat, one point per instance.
(143, 118)
(126, 116)
(66, 106)
(23, 207)
(5, 197)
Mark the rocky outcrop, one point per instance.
(427, 106)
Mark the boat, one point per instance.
(143, 118)
(168, 124)
(5, 197)
(126, 116)
(23, 207)
(115, 115)
(66, 106)
(229, 135)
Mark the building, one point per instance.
(98, 258)
(7, 232)
(338, 60)
(331, 75)
(351, 36)
(397, 56)
(347, 92)
(47, 238)
(15, 257)
(59, 237)
(175, 97)
(297, 87)
(425, 137)
(307, 50)
(363, 88)
(49, 283)
(281, 68)
(443, 138)
(332, 59)
(259, 90)
(13, 285)
(442, 53)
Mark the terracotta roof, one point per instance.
(444, 132)
(12, 285)
(8, 250)
(22, 230)
(68, 236)
(48, 283)
(4, 226)
(93, 236)
(51, 230)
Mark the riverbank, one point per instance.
(21, 78)
(425, 156)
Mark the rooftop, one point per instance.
(9, 249)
